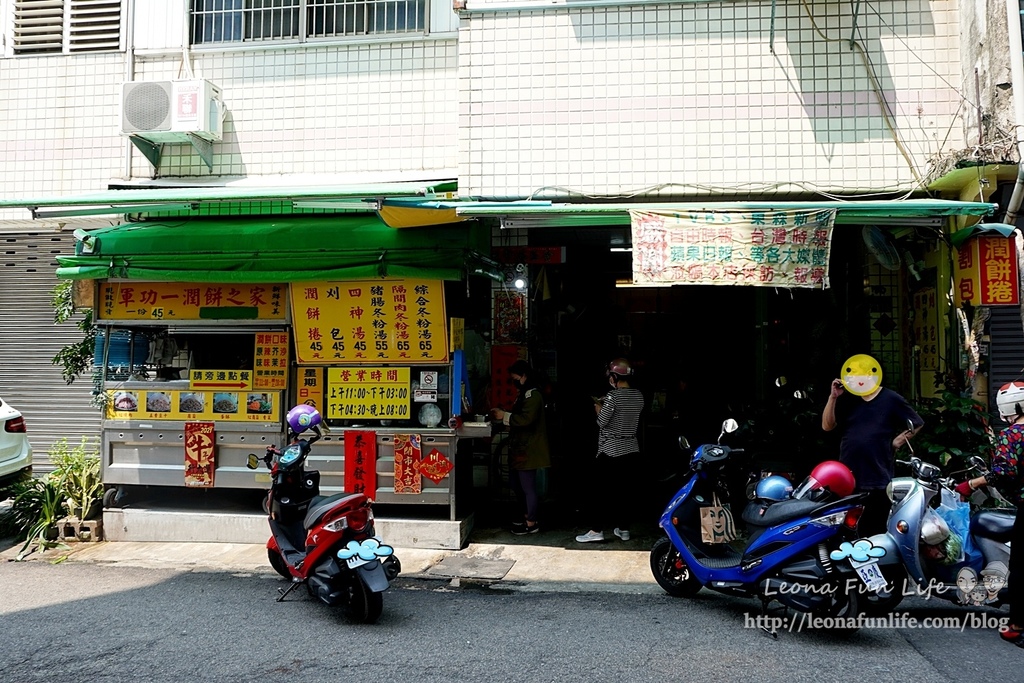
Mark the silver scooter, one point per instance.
(916, 545)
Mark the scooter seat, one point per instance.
(993, 525)
(777, 513)
(320, 507)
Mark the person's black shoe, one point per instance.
(523, 529)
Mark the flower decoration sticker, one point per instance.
(860, 551)
(861, 375)
(368, 550)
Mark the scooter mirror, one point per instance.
(684, 444)
(730, 426)
(977, 462)
(780, 381)
(253, 462)
(800, 394)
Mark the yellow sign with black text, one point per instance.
(368, 393)
(190, 301)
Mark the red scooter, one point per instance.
(327, 543)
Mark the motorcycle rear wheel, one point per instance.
(278, 563)
(364, 606)
(671, 572)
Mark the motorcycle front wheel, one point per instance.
(364, 606)
(278, 563)
(671, 572)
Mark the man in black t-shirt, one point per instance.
(873, 425)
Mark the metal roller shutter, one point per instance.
(1006, 351)
(29, 340)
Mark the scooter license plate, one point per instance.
(870, 574)
(356, 561)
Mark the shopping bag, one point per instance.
(957, 515)
(716, 523)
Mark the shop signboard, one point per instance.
(532, 255)
(926, 329)
(733, 247)
(369, 321)
(199, 454)
(503, 392)
(986, 271)
(173, 301)
(375, 393)
(220, 379)
(311, 387)
(271, 360)
(361, 462)
(230, 406)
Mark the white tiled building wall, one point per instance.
(690, 98)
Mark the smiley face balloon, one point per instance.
(862, 375)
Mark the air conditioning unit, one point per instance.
(167, 111)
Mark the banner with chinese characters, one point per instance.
(509, 317)
(369, 321)
(231, 406)
(219, 379)
(734, 247)
(368, 393)
(986, 271)
(503, 392)
(199, 456)
(271, 371)
(435, 467)
(311, 387)
(190, 301)
(361, 462)
(926, 329)
(407, 463)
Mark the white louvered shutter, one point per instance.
(94, 25)
(38, 26)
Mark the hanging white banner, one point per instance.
(735, 247)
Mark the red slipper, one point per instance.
(1015, 636)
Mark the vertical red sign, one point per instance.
(361, 462)
(998, 271)
(199, 455)
(407, 464)
(503, 392)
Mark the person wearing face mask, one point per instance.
(618, 449)
(528, 449)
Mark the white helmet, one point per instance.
(1010, 399)
(934, 529)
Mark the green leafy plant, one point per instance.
(76, 358)
(77, 471)
(36, 507)
(955, 429)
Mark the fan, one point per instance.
(878, 243)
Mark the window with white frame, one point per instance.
(40, 27)
(235, 21)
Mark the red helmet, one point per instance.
(620, 367)
(830, 476)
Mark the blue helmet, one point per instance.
(774, 488)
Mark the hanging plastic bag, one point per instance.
(957, 514)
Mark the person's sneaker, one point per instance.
(523, 529)
(622, 533)
(590, 537)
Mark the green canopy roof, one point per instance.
(276, 249)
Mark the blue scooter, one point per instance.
(786, 558)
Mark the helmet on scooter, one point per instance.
(774, 488)
(830, 477)
(303, 417)
(1010, 399)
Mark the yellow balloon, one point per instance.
(861, 375)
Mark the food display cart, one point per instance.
(220, 365)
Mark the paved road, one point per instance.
(88, 622)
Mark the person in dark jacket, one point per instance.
(528, 449)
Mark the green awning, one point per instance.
(174, 199)
(526, 214)
(277, 249)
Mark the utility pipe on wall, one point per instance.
(1013, 26)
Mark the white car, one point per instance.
(15, 450)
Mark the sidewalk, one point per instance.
(551, 561)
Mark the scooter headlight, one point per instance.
(898, 490)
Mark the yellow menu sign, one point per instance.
(368, 393)
(271, 361)
(369, 321)
(190, 301)
(233, 406)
